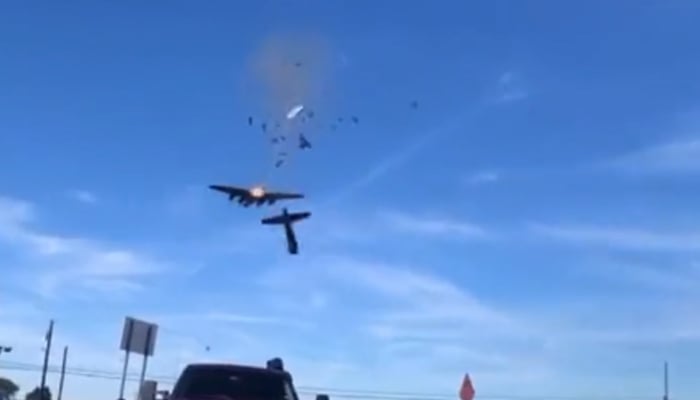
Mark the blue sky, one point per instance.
(533, 222)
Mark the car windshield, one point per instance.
(236, 385)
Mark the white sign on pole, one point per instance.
(139, 337)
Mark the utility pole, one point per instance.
(47, 352)
(665, 380)
(63, 373)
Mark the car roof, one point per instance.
(237, 367)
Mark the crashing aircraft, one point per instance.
(287, 220)
(256, 195)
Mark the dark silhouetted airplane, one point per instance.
(256, 195)
(287, 220)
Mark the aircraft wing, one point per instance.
(283, 196)
(285, 218)
(276, 220)
(294, 217)
(232, 191)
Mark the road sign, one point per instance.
(139, 336)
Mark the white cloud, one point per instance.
(339, 315)
(51, 262)
(399, 158)
(681, 156)
(231, 318)
(432, 226)
(677, 279)
(409, 322)
(510, 88)
(405, 302)
(83, 196)
(483, 177)
(506, 78)
(625, 238)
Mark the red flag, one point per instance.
(466, 392)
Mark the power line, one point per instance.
(312, 390)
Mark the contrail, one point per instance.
(399, 158)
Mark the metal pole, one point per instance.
(665, 380)
(143, 372)
(146, 352)
(63, 373)
(47, 352)
(126, 359)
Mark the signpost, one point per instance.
(137, 337)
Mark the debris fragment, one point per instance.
(295, 111)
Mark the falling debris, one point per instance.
(355, 120)
(303, 142)
(295, 111)
(264, 127)
(414, 104)
(250, 121)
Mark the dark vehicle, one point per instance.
(235, 382)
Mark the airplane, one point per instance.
(287, 220)
(303, 143)
(256, 195)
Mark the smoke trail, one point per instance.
(288, 70)
(291, 69)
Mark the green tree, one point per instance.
(36, 394)
(7, 388)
